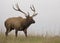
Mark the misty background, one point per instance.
(47, 20)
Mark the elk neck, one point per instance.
(26, 24)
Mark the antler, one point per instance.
(33, 9)
(18, 9)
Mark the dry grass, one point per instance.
(29, 39)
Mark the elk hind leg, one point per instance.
(7, 31)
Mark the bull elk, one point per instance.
(20, 23)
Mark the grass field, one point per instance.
(29, 39)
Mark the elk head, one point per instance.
(27, 15)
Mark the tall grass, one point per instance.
(29, 39)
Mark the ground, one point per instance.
(29, 39)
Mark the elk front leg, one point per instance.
(16, 31)
(25, 32)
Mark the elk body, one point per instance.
(19, 23)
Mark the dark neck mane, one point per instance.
(26, 24)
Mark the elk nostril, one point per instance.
(34, 21)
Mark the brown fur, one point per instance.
(19, 24)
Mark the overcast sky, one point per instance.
(47, 20)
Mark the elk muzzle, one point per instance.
(33, 21)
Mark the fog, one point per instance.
(47, 20)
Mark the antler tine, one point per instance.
(18, 9)
(15, 9)
(32, 8)
(34, 14)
